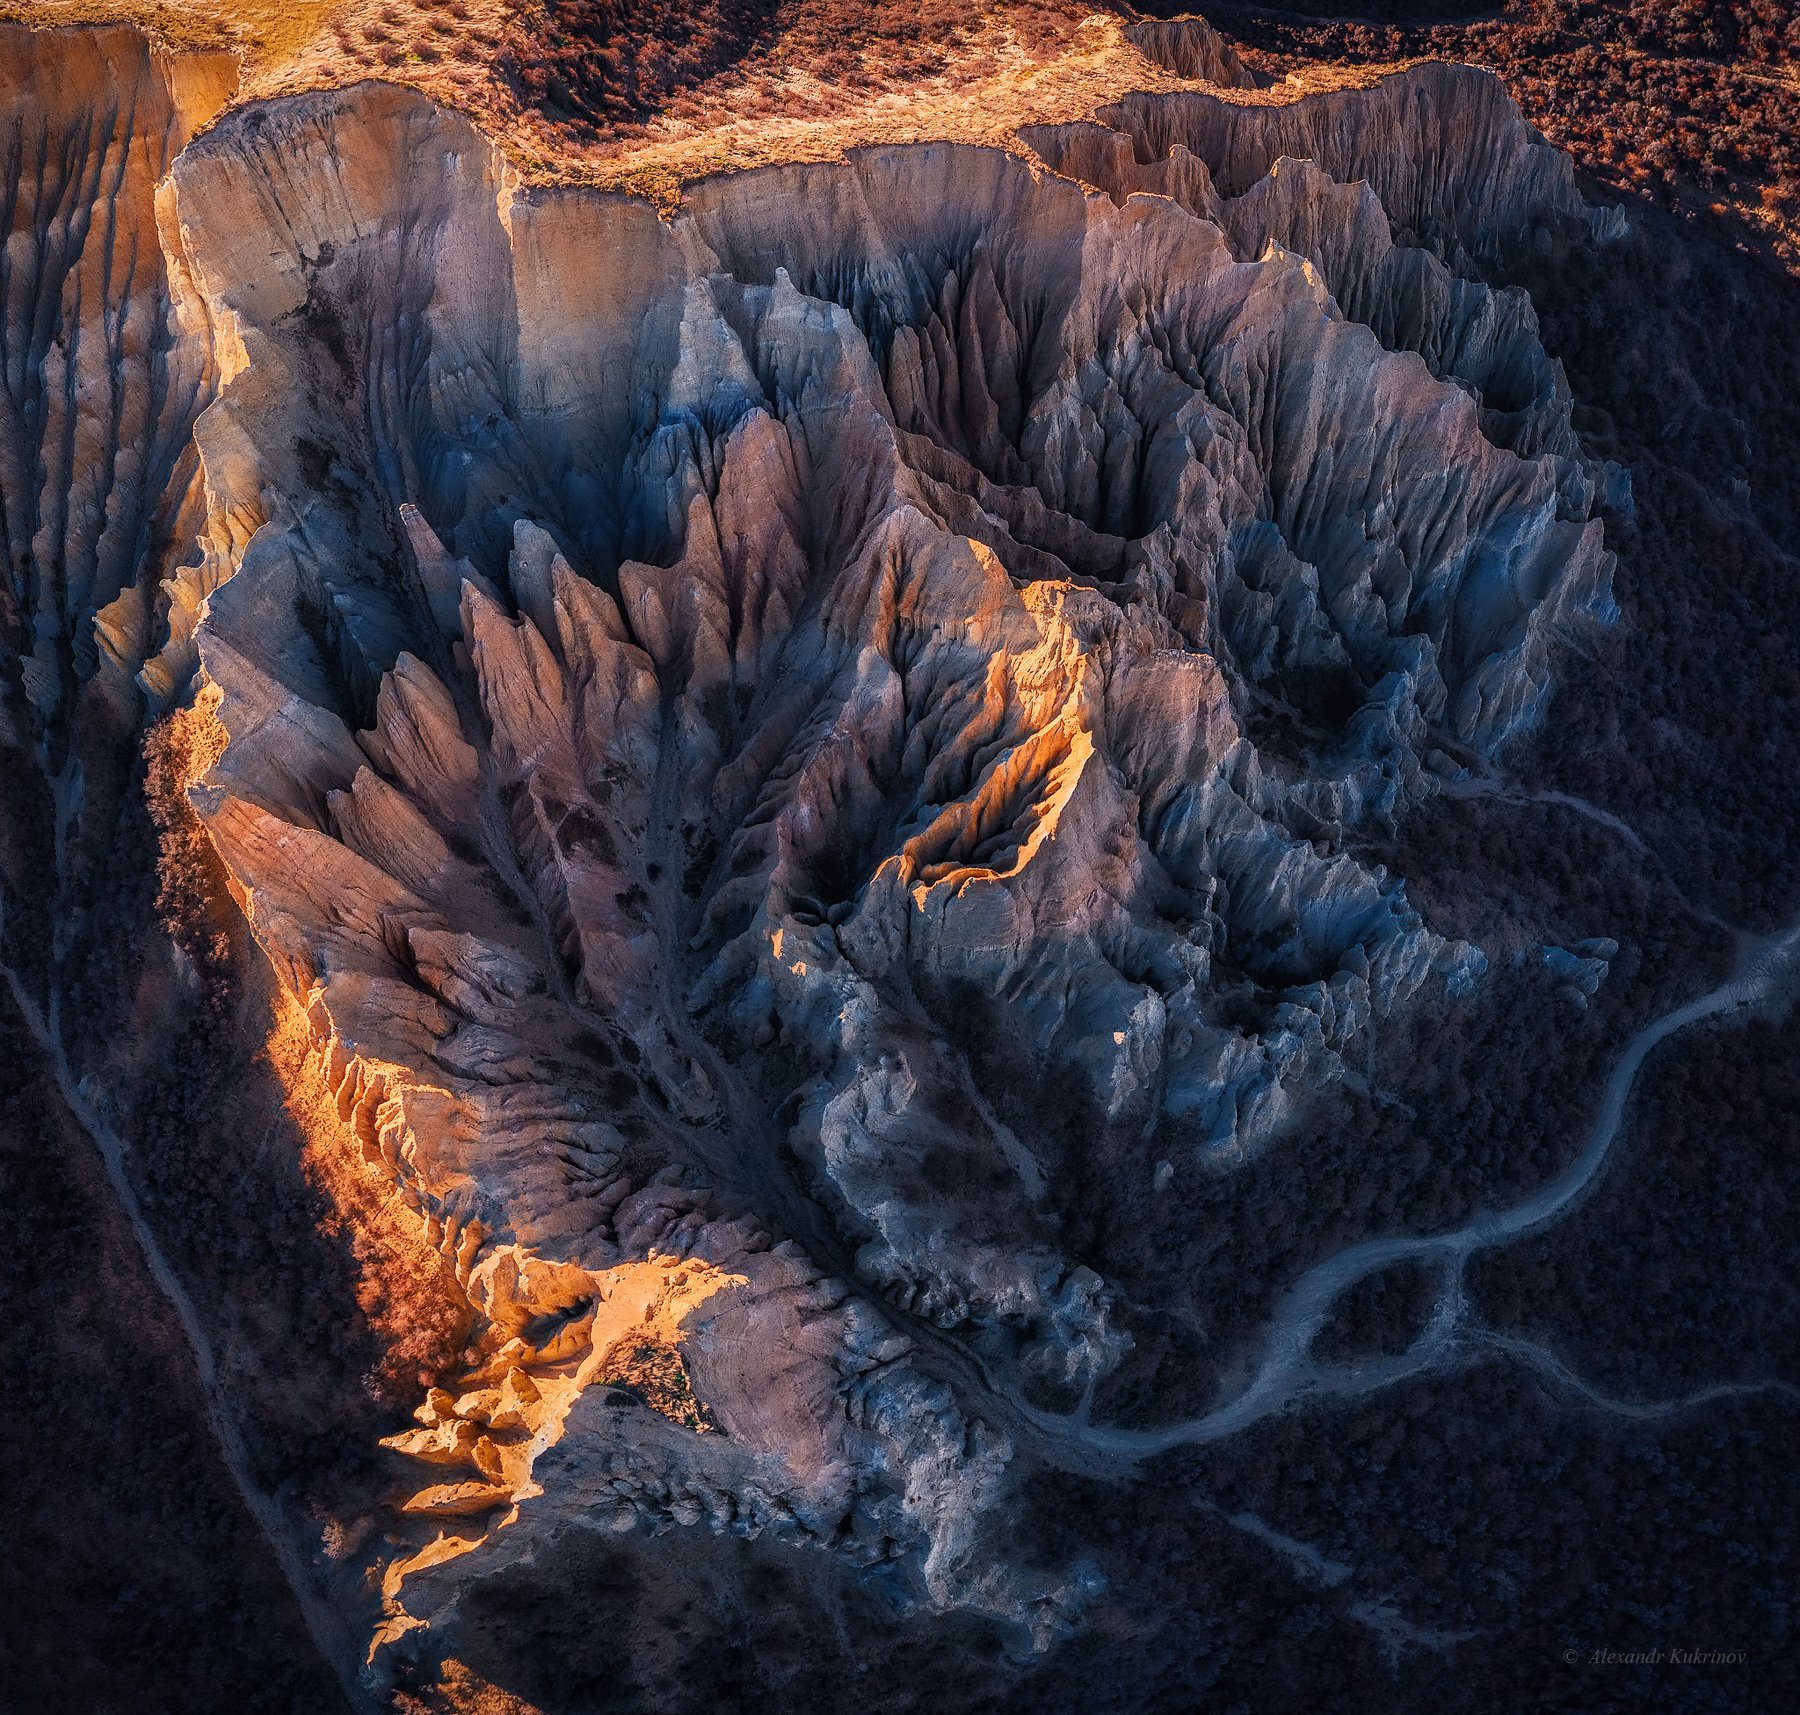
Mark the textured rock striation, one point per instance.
(105, 364)
(668, 668)
(1191, 48)
(104, 371)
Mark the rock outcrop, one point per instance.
(673, 670)
(1191, 48)
(106, 367)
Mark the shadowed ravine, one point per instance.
(334, 1639)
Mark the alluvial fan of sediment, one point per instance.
(669, 666)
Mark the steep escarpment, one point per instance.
(1688, 107)
(104, 379)
(1191, 48)
(1338, 192)
(666, 667)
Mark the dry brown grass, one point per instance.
(461, 1691)
(654, 1373)
(177, 752)
(675, 93)
(261, 30)
(406, 1289)
(1694, 105)
(613, 64)
(1012, 66)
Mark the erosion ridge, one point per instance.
(666, 663)
(104, 379)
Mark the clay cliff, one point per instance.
(105, 375)
(669, 675)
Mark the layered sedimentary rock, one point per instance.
(1191, 48)
(672, 670)
(105, 369)
(1410, 298)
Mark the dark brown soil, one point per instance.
(134, 1582)
(1692, 103)
(606, 63)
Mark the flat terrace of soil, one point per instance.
(649, 96)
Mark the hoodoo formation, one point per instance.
(766, 862)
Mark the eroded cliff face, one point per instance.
(670, 670)
(106, 368)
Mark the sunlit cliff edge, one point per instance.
(971, 74)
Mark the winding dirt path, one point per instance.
(1553, 1369)
(1489, 787)
(331, 1636)
(1286, 1374)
